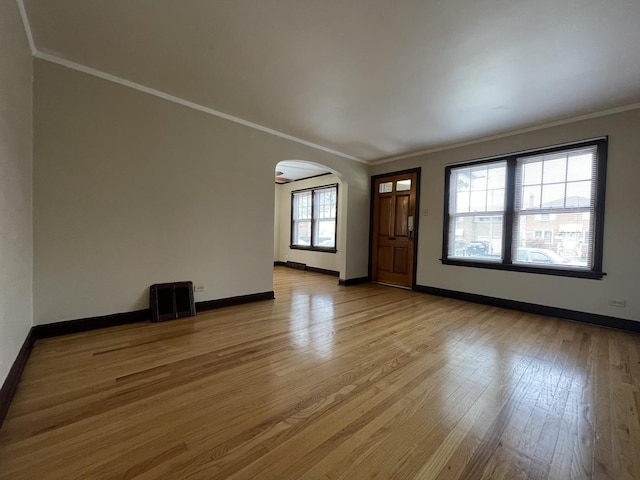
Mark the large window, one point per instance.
(540, 211)
(314, 218)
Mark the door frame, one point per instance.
(416, 228)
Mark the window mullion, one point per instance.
(509, 211)
(292, 238)
(312, 241)
(566, 178)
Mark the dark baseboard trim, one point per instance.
(304, 266)
(584, 317)
(10, 384)
(92, 323)
(323, 271)
(353, 281)
(56, 329)
(295, 265)
(239, 300)
(278, 263)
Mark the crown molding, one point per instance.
(27, 26)
(185, 103)
(166, 96)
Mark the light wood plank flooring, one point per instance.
(330, 382)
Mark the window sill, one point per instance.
(562, 272)
(313, 249)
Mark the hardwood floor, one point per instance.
(330, 382)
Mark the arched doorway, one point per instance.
(310, 214)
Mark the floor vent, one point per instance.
(169, 301)
(297, 265)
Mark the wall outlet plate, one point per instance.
(617, 303)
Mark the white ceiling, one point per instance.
(297, 170)
(368, 78)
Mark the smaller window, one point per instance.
(314, 218)
(386, 187)
(403, 185)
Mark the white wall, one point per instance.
(16, 245)
(622, 222)
(276, 224)
(130, 190)
(328, 261)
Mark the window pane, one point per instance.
(553, 196)
(567, 181)
(325, 234)
(477, 237)
(578, 194)
(479, 201)
(386, 187)
(302, 233)
(479, 179)
(554, 170)
(530, 197)
(563, 241)
(496, 176)
(495, 199)
(301, 205)
(462, 202)
(533, 173)
(403, 185)
(478, 189)
(325, 203)
(461, 179)
(580, 166)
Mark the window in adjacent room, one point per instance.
(314, 218)
(541, 211)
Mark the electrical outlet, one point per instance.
(198, 288)
(617, 303)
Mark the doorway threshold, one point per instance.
(392, 285)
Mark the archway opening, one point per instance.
(310, 215)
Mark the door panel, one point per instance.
(385, 259)
(401, 216)
(400, 257)
(384, 216)
(393, 251)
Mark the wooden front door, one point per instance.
(394, 228)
